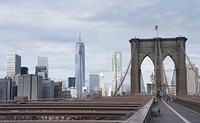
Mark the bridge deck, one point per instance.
(113, 109)
(182, 115)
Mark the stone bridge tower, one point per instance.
(158, 49)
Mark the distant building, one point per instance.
(30, 85)
(58, 90)
(102, 84)
(80, 67)
(73, 92)
(41, 71)
(67, 94)
(5, 88)
(47, 89)
(192, 79)
(71, 82)
(110, 93)
(116, 71)
(43, 61)
(84, 92)
(149, 88)
(13, 64)
(43, 67)
(93, 83)
(24, 70)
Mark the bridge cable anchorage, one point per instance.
(190, 63)
(163, 70)
(123, 78)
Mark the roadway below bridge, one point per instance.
(171, 112)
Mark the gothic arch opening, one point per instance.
(147, 68)
(169, 68)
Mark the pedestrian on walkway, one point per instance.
(167, 98)
(159, 111)
(159, 97)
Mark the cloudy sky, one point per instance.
(50, 28)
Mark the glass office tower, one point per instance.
(43, 67)
(94, 83)
(79, 67)
(43, 61)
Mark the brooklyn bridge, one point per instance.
(161, 106)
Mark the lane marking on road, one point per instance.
(185, 120)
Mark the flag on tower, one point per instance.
(156, 27)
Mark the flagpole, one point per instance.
(156, 28)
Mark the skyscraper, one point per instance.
(24, 70)
(94, 83)
(192, 79)
(5, 88)
(116, 70)
(43, 61)
(71, 82)
(41, 71)
(13, 64)
(47, 89)
(44, 66)
(30, 85)
(79, 67)
(102, 84)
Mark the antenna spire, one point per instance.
(80, 34)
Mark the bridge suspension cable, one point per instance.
(190, 63)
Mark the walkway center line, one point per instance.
(185, 120)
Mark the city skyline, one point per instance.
(50, 29)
